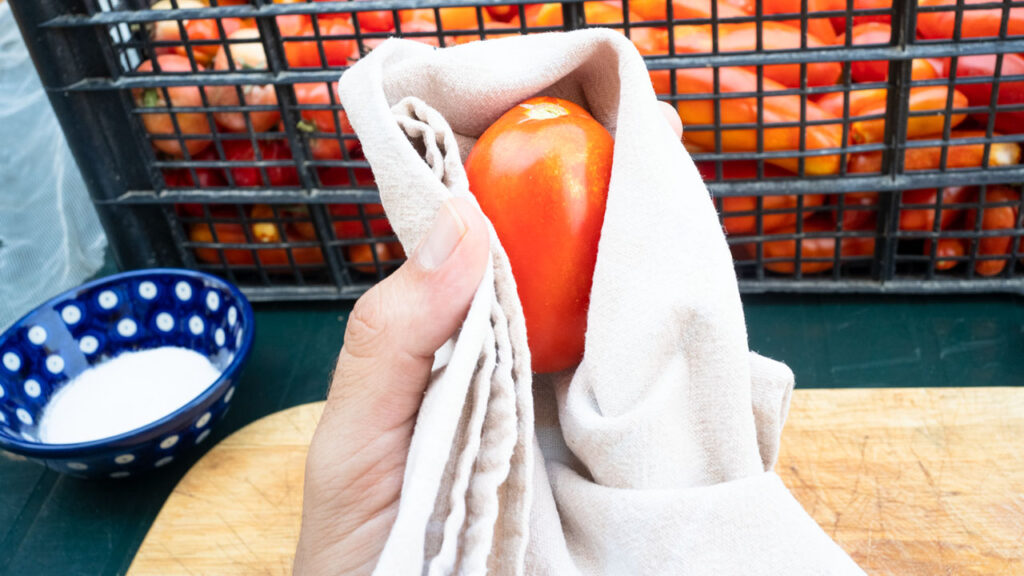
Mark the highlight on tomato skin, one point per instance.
(540, 174)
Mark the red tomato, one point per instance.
(247, 56)
(948, 253)
(208, 177)
(507, 12)
(306, 54)
(241, 151)
(870, 70)
(190, 123)
(346, 219)
(923, 219)
(864, 218)
(376, 21)
(348, 223)
(322, 119)
(540, 173)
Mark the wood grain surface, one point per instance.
(921, 481)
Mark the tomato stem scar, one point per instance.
(544, 110)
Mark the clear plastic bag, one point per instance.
(50, 236)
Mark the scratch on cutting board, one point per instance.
(263, 494)
(175, 557)
(861, 465)
(807, 489)
(238, 536)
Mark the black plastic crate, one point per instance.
(809, 144)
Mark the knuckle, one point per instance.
(367, 324)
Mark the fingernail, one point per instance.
(444, 236)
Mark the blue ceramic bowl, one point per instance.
(99, 320)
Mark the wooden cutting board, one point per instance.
(908, 481)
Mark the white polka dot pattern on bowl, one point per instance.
(88, 344)
(121, 474)
(212, 300)
(124, 459)
(37, 335)
(183, 291)
(32, 388)
(202, 436)
(203, 420)
(147, 290)
(24, 416)
(232, 316)
(164, 461)
(71, 314)
(229, 394)
(107, 299)
(169, 442)
(77, 466)
(12, 361)
(2, 391)
(3, 418)
(127, 327)
(218, 337)
(196, 325)
(164, 322)
(54, 364)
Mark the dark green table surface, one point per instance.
(50, 524)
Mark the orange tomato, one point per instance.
(774, 36)
(189, 123)
(780, 210)
(995, 218)
(816, 254)
(306, 54)
(204, 30)
(365, 258)
(874, 103)
(928, 158)
(230, 233)
(689, 9)
(775, 109)
(540, 174)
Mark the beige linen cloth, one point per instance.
(655, 455)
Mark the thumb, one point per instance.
(395, 328)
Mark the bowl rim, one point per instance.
(150, 430)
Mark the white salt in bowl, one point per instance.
(95, 323)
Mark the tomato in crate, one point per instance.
(320, 116)
(780, 209)
(172, 123)
(245, 57)
(246, 176)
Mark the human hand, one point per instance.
(357, 458)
